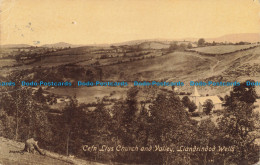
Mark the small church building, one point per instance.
(200, 100)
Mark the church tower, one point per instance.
(195, 96)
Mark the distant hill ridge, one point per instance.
(15, 46)
(246, 37)
(60, 45)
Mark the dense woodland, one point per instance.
(166, 123)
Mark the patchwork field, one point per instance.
(155, 65)
(223, 49)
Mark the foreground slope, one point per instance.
(7, 158)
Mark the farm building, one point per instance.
(200, 100)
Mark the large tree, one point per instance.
(243, 93)
(172, 127)
(29, 118)
(237, 126)
(201, 42)
(72, 129)
(189, 104)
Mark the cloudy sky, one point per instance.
(110, 21)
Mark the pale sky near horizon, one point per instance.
(110, 21)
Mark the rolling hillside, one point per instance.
(238, 64)
(177, 64)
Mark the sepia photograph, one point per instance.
(130, 82)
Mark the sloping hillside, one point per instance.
(8, 157)
(239, 66)
(190, 66)
(178, 64)
(154, 66)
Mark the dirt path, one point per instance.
(213, 67)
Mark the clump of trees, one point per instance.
(23, 116)
(238, 124)
(201, 42)
(208, 106)
(181, 47)
(189, 104)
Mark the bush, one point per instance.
(195, 114)
(208, 106)
(218, 112)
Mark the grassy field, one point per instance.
(89, 94)
(7, 62)
(154, 45)
(59, 60)
(177, 64)
(222, 49)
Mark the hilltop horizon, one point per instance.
(233, 38)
